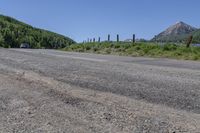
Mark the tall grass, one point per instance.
(139, 49)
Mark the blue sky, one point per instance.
(80, 19)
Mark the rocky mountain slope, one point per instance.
(175, 33)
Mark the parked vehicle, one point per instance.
(24, 45)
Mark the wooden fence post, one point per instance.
(108, 37)
(117, 37)
(133, 38)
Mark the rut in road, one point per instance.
(36, 103)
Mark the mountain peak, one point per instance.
(180, 22)
(178, 29)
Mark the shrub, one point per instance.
(108, 50)
(95, 48)
(169, 47)
(117, 46)
(87, 47)
(137, 47)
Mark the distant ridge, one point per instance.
(175, 33)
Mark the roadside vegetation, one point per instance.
(168, 50)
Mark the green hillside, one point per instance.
(14, 32)
(172, 38)
(196, 35)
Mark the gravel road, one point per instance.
(55, 91)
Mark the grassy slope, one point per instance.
(196, 36)
(177, 38)
(14, 32)
(139, 49)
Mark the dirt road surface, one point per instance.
(61, 92)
